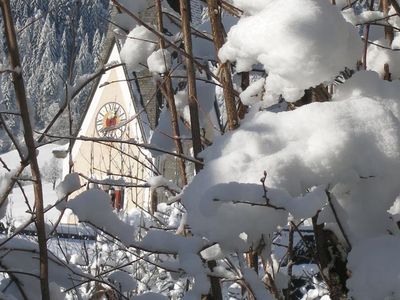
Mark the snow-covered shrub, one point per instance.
(294, 203)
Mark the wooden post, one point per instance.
(386, 72)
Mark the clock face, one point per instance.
(110, 120)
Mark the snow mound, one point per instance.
(94, 206)
(368, 84)
(301, 43)
(362, 18)
(253, 93)
(377, 57)
(349, 147)
(159, 61)
(123, 281)
(375, 269)
(138, 46)
(160, 181)
(70, 184)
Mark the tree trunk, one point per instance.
(20, 94)
(332, 266)
(389, 33)
(191, 77)
(366, 37)
(225, 68)
(166, 87)
(245, 82)
(194, 116)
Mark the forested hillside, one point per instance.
(59, 40)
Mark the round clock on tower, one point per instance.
(110, 120)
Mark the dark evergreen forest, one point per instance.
(59, 41)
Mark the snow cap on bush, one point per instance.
(300, 43)
(351, 147)
(138, 46)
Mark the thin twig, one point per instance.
(129, 142)
(329, 195)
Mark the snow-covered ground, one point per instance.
(18, 206)
(12, 158)
(17, 210)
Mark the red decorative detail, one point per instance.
(118, 200)
(111, 121)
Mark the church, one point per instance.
(123, 110)
(104, 153)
